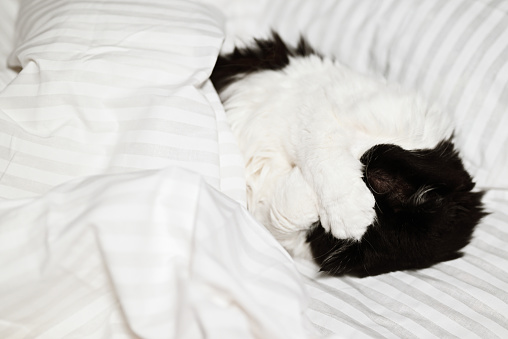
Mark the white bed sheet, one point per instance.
(109, 229)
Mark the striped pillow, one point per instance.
(111, 87)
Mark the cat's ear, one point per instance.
(303, 48)
(389, 174)
(390, 185)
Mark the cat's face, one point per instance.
(425, 213)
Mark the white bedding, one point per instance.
(122, 191)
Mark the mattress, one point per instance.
(122, 193)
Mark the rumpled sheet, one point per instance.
(153, 254)
(122, 186)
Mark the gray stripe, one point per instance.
(328, 42)
(408, 57)
(486, 82)
(477, 282)
(500, 108)
(472, 64)
(486, 266)
(346, 24)
(445, 309)
(10, 130)
(384, 322)
(464, 297)
(439, 39)
(167, 152)
(197, 133)
(395, 18)
(362, 30)
(53, 166)
(23, 184)
(405, 311)
(131, 102)
(327, 311)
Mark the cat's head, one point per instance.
(426, 213)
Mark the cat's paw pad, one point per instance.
(349, 216)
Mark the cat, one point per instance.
(347, 169)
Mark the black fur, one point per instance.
(426, 213)
(270, 54)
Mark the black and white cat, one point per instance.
(352, 171)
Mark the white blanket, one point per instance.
(152, 254)
(122, 189)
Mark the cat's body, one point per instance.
(307, 127)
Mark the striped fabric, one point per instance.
(8, 13)
(100, 239)
(148, 254)
(110, 87)
(455, 53)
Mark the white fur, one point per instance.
(302, 132)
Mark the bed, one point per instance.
(122, 209)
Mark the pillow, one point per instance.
(111, 87)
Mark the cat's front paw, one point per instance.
(348, 215)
